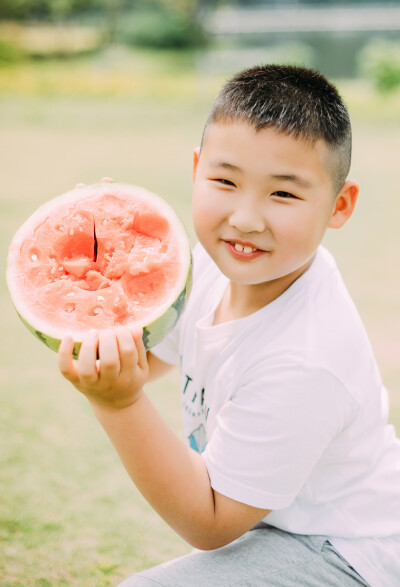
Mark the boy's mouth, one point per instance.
(243, 246)
(243, 250)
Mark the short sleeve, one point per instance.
(273, 431)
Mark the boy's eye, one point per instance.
(282, 194)
(224, 181)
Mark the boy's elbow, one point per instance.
(210, 542)
(214, 537)
(226, 522)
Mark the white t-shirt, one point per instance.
(289, 412)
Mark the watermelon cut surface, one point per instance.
(97, 257)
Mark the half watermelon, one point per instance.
(97, 257)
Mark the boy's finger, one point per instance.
(127, 349)
(87, 368)
(65, 360)
(137, 334)
(108, 353)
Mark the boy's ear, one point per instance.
(344, 204)
(196, 157)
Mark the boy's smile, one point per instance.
(262, 202)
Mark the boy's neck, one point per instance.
(240, 300)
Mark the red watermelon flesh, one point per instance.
(96, 262)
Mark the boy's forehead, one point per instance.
(229, 135)
(218, 131)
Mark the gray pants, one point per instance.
(262, 557)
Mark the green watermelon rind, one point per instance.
(156, 331)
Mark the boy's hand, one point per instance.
(115, 380)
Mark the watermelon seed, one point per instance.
(107, 257)
(100, 298)
(53, 270)
(96, 310)
(34, 257)
(60, 228)
(70, 308)
(61, 268)
(70, 294)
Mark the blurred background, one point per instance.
(121, 88)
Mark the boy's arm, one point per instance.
(172, 477)
(157, 367)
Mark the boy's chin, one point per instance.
(253, 277)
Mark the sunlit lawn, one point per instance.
(68, 512)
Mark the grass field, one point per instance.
(68, 512)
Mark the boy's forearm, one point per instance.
(172, 477)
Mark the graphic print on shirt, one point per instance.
(196, 413)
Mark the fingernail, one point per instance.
(106, 179)
(80, 185)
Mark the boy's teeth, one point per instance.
(243, 249)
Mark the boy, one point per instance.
(292, 475)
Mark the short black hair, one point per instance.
(295, 100)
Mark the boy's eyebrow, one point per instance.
(293, 178)
(226, 165)
(278, 176)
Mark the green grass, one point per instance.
(68, 513)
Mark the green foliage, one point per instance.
(379, 61)
(160, 29)
(48, 9)
(160, 24)
(34, 9)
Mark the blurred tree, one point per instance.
(175, 24)
(31, 9)
(152, 23)
(48, 9)
(379, 62)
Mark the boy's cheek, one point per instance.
(202, 208)
(200, 222)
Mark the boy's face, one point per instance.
(262, 201)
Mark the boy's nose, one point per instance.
(247, 218)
